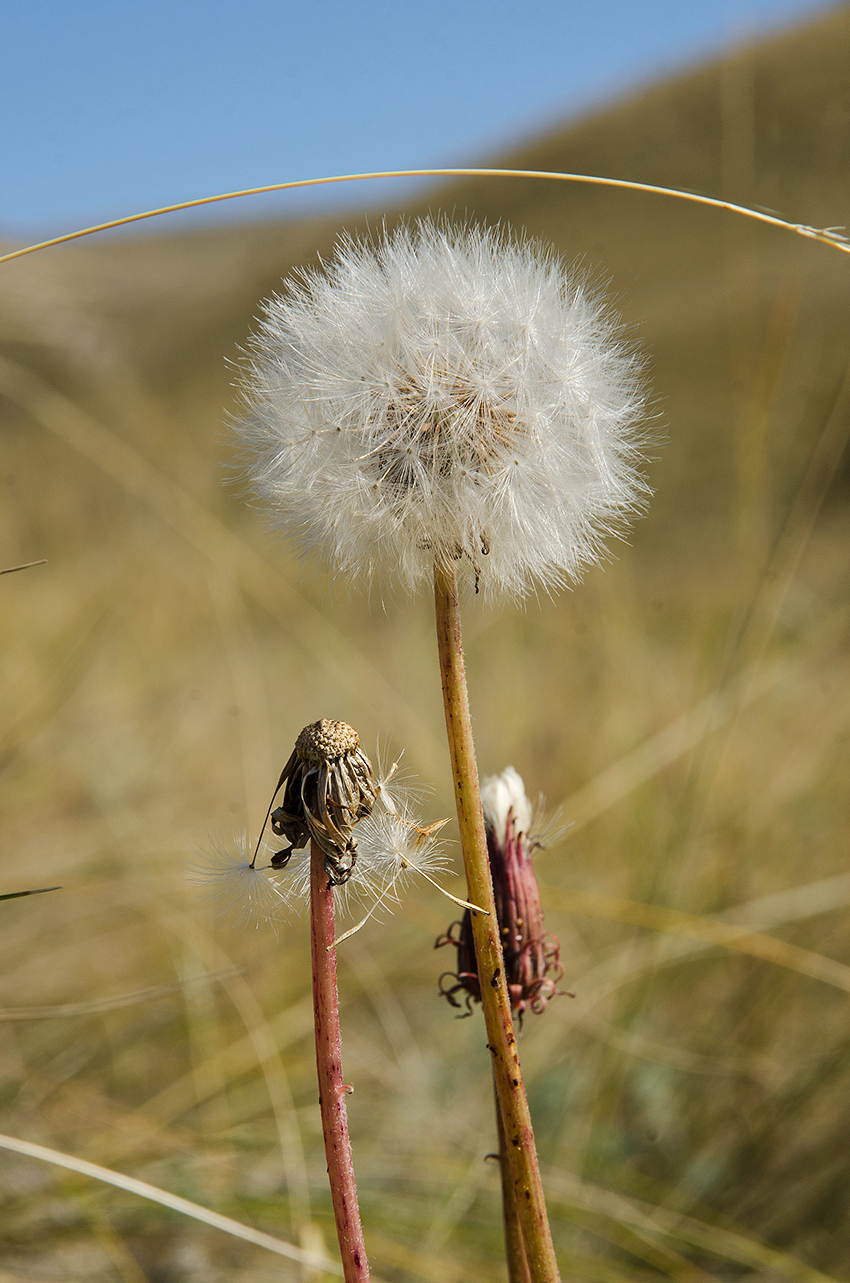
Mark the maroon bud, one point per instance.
(532, 962)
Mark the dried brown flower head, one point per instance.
(532, 963)
(329, 787)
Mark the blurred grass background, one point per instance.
(688, 707)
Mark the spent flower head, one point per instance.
(328, 786)
(445, 394)
(329, 790)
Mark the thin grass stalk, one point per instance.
(825, 235)
(16, 895)
(507, 1074)
(27, 565)
(517, 1260)
(315, 1260)
(332, 1090)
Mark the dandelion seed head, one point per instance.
(247, 894)
(445, 394)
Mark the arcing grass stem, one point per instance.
(833, 236)
(332, 1090)
(495, 1000)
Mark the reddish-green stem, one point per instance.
(332, 1090)
(507, 1075)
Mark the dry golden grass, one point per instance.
(688, 706)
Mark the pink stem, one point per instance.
(332, 1090)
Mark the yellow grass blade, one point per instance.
(708, 931)
(268, 1058)
(749, 919)
(663, 1224)
(173, 1201)
(826, 235)
(667, 745)
(10, 570)
(115, 1002)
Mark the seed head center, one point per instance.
(326, 741)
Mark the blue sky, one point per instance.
(110, 107)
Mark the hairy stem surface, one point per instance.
(507, 1075)
(332, 1090)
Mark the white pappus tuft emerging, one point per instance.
(445, 394)
(502, 794)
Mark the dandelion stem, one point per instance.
(514, 1245)
(507, 1074)
(332, 1090)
